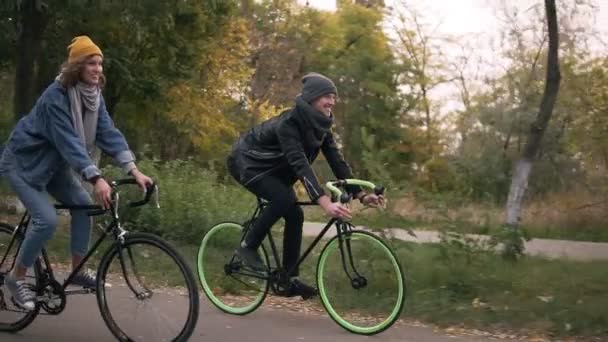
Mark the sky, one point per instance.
(466, 16)
(472, 18)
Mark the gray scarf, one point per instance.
(319, 123)
(85, 97)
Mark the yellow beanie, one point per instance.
(82, 46)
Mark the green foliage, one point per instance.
(511, 241)
(356, 54)
(185, 78)
(150, 47)
(192, 200)
(349, 47)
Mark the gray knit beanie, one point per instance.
(315, 86)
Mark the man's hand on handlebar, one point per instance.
(334, 209)
(373, 200)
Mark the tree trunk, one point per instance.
(32, 23)
(519, 182)
(427, 120)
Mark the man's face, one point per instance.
(325, 103)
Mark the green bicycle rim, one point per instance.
(394, 315)
(208, 292)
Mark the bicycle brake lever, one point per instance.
(156, 196)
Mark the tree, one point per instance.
(31, 19)
(203, 108)
(418, 48)
(352, 49)
(523, 167)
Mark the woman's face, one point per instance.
(325, 103)
(92, 70)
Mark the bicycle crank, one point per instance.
(53, 298)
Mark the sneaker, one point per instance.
(21, 293)
(86, 279)
(299, 288)
(251, 258)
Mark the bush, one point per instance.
(192, 200)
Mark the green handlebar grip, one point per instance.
(333, 186)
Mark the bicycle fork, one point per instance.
(142, 294)
(357, 280)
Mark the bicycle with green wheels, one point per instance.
(145, 290)
(360, 280)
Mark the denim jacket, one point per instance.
(45, 140)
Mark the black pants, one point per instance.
(282, 204)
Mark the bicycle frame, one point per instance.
(114, 227)
(22, 227)
(342, 228)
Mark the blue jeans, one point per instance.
(66, 189)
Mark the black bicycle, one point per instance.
(145, 290)
(360, 281)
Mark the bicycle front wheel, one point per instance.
(12, 317)
(228, 284)
(361, 283)
(146, 292)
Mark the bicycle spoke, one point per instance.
(148, 292)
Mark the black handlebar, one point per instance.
(150, 188)
(94, 210)
(379, 190)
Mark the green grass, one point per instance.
(453, 284)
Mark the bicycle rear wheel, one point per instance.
(229, 285)
(13, 318)
(146, 292)
(361, 283)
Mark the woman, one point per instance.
(49, 147)
(272, 156)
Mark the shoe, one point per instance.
(299, 288)
(86, 279)
(21, 293)
(251, 259)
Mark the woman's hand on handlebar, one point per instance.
(333, 209)
(142, 180)
(103, 192)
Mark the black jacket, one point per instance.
(286, 146)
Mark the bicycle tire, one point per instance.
(30, 316)
(205, 276)
(155, 241)
(399, 277)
